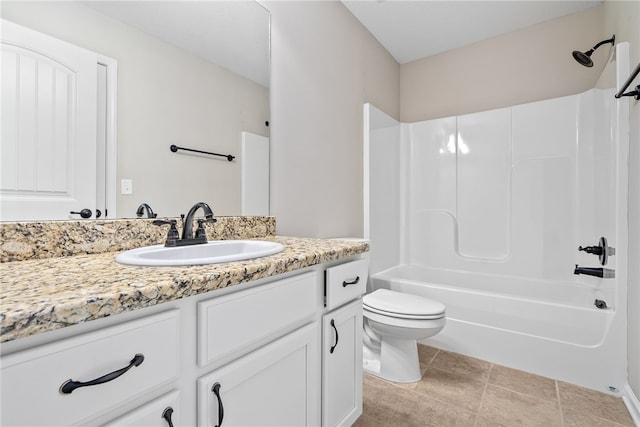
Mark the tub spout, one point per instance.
(605, 273)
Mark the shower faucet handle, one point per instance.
(603, 250)
(595, 250)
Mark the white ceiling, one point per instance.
(235, 34)
(232, 34)
(412, 30)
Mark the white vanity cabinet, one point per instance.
(342, 343)
(282, 351)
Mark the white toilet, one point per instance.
(393, 322)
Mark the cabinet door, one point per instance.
(162, 412)
(277, 385)
(342, 365)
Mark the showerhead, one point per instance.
(584, 58)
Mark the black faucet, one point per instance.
(145, 207)
(187, 229)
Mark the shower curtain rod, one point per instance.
(175, 148)
(634, 93)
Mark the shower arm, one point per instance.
(634, 93)
(611, 40)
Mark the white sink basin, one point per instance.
(214, 251)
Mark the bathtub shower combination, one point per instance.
(485, 213)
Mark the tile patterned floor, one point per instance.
(457, 390)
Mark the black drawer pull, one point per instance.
(216, 390)
(333, 347)
(166, 414)
(70, 385)
(351, 282)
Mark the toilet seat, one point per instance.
(402, 306)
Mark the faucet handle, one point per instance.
(200, 231)
(603, 250)
(172, 234)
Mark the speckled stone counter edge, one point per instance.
(22, 241)
(41, 295)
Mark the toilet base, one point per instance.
(395, 360)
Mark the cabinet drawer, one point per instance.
(156, 413)
(32, 379)
(345, 282)
(229, 324)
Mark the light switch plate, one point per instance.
(126, 186)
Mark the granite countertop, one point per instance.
(45, 294)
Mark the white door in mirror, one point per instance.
(212, 252)
(49, 115)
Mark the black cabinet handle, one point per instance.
(351, 282)
(216, 390)
(333, 347)
(70, 385)
(166, 414)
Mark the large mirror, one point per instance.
(189, 73)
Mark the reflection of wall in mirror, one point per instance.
(165, 96)
(254, 162)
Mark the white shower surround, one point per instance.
(485, 212)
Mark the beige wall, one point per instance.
(325, 65)
(623, 18)
(523, 66)
(165, 96)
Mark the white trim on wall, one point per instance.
(111, 161)
(632, 403)
(366, 121)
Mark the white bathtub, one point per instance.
(548, 328)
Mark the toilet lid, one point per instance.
(398, 304)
